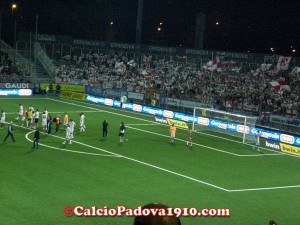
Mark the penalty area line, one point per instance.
(266, 188)
(140, 162)
(142, 124)
(70, 102)
(211, 148)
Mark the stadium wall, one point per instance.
(73, 95)
(64, 87)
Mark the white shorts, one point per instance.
(20, 113)
(2, 120)
(172, 135)
(65, 123)
(44, 123)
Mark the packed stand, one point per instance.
(235, 85)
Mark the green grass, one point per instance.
(35, 186)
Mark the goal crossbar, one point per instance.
(209, 119)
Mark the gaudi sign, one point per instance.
(16, 85)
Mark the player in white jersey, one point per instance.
(72, 125)
(46, 111)
(2, 119)
(81, 123)
(44, 122)
(20, 113)
(30, 107)
(68, 135)
(257, 134)
(36, 118)
(32, 119)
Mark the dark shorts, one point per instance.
(36, 120)
(121, 134)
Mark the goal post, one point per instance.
(216, 121)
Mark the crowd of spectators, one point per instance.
(10, 73)
(237, 85)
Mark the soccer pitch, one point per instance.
(217, 172)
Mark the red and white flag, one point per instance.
(256, 72)
(265, 67)
(280, 85)
(214, 65)
(272, 72)
(120, 68)
(283, 62)
(296, 70)
(147, 59)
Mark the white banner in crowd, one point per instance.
(135, 95)
(186, 104)
(283, 62)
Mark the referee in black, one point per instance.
(10, 132)
(36, 138)
(104, 129)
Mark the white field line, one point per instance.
(69, 150)
(16, 113)
(280, 154)
(18, 98)
(140, 162)
(219, 150)
(141, 124)
(266, 188)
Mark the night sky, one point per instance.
(244, 25)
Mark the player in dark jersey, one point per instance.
(104, 129)
(122, 132)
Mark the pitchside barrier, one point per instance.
(267, 134)
(64, 87)
(72, 95)
(15, 92)
(279, 146)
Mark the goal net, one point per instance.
(217, 121)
